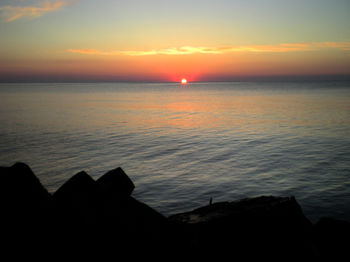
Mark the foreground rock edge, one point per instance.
(83, 210)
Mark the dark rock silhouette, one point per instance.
(332, 238)
(21, 187)
(24, 201)
(115, 182)
(26, 211)
(259, 227)
(104, 210)
(74, 200)
(85, 218)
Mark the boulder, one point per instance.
(134, 223)
(74, 200)
(81, 183)
(26, 213)
(115, 182)
(131, 224)
(262, 227)
(332, 238)
(102, 216)
(23, 199)
(113, 190)
(85, 217)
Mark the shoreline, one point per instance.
(83, 210)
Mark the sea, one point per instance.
(183, 145)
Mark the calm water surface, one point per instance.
(182, 145)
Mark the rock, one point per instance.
(26, 212)
(131, 223)
(103, 210)
(75, 199)
(262, 227)
(136, 224)
(113, 190)
(115, 182)
(81, 183)
(85, 217)
(332, 238)
(23, 198)
(149, 228)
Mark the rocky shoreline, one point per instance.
(100, 218)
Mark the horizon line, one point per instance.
(223, 78)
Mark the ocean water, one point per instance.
(182, 145)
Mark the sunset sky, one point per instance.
(166, 40)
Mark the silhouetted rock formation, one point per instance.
(74, 200)
(100, 218)
(332, 238)
(26, 211)
(24, 201)
(115, 182)
(259, 227)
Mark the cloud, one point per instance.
(187, 50)
(342, 45)
(92, 52)
(12, 13)
(289, 47)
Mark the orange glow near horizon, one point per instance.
(165, 42)
(183, 81)
(174, 68)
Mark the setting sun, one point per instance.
(184, 81)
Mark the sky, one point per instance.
(167, 40)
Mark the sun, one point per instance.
(184, 81)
